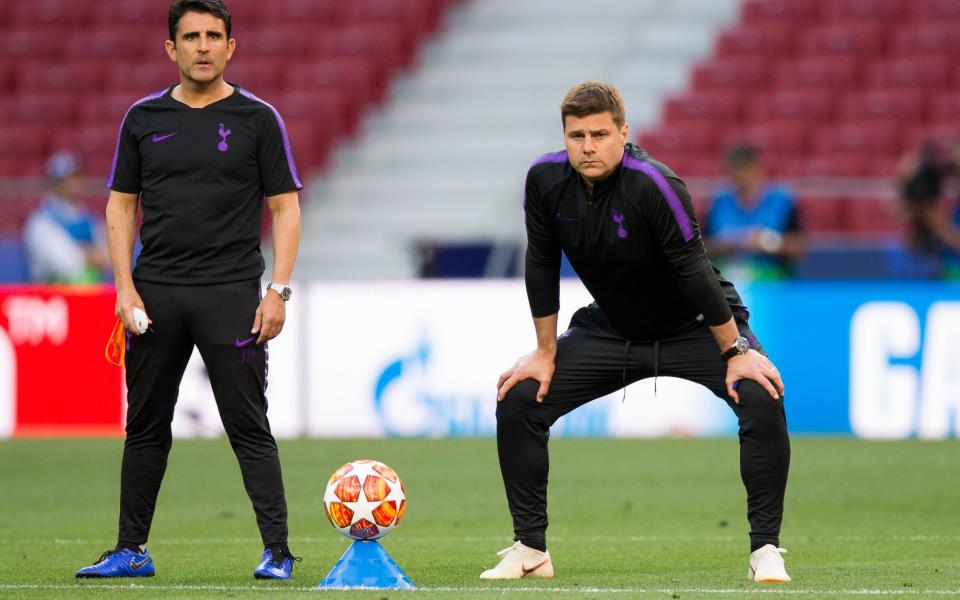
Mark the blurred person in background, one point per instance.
(752, 228)
(65, 242)
(627, 226)
(933, 225)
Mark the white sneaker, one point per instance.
(519, 561)
(766, 565)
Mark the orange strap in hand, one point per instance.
(117, 344)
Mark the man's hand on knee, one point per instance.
(757, 367)
(538, 365)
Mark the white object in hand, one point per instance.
(140, 319)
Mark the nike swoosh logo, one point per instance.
(136, 566)
(159, 138)
(242, 343)
(565, 219)
(527, 571)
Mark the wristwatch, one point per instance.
(740, 346)
(284, 290)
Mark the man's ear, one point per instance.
(171, 48)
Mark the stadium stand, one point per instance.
(442, 166)
(421, 140)
(828, 88)
(69, 69)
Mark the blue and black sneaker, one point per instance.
(121, 563)
(275, 566)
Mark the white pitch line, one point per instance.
(497, 539)
(502, 589)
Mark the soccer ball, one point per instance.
(364, 500)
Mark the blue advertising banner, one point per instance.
(876, 359)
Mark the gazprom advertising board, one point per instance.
(422, 359)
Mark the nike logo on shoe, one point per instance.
(136, 566)
(242, 343)
(159, 138)
(527, 571)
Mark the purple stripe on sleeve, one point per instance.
(287, 150)
(683, 219)
(553, 157)
(116, 152)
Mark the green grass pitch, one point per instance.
(630, 518)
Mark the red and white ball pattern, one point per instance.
(364, 500)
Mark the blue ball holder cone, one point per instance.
(366, 565)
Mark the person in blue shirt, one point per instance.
(64, 241)
(752, 228)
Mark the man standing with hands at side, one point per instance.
(199, 157)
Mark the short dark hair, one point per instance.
(590, 98)
(741, 155)
(214, 7)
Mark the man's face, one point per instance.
(745, 175)
(201, 49)
(594, 144)
(70, 187)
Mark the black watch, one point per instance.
(740, 346)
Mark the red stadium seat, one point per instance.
(705, 105)
(25, 142)
(259, 75)
(935, 9)
(288, 39)
(834, 10)
(317, 12)
(834, 165)
(934, 37)
(763, 40)
(75, 77)
(845, 38)
(834, 71)
(326, 108)
(820, 215)
(385, 43)
(873, 216)
(47, 110)
(52, 12)
(862, 138)
(773, 137)
(884, 104)
(142, 77)
(8, 76)
(131, 12)
(739, 72)
(356, 78)
(755, 11)
(696, 136)
(926, 72)
(32, 43)
(794, 104)
(124, 43)
(107, 109)
(945, 106)
(95, 143)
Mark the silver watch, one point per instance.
(740, 346)
(285, 291)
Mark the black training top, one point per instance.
(202, 174)
(635, 245)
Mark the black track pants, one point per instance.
(217, 320)
(593, 361)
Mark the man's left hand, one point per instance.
(270, 317)
(757, 367)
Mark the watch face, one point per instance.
(741, 344)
